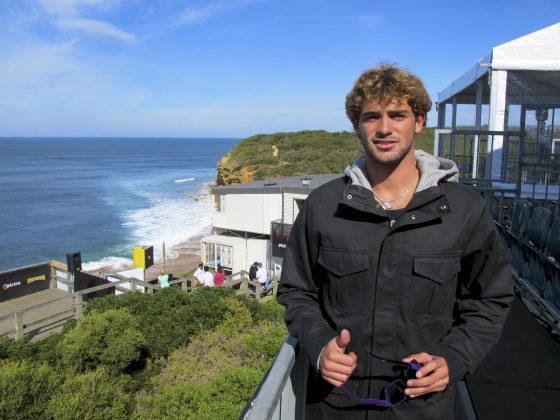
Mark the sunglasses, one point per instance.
(393, 392)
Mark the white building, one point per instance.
(252, 221)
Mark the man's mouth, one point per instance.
(384, 142)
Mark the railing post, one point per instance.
(258, 288)
(185, 285)
(78, 305)
(18, 325)
(52, 280)
(70, 281)
(133, 284)
(244, 285)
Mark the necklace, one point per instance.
(386, 204)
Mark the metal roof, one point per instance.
(293, 184)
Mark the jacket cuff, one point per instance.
(314, 345)
(456, 365)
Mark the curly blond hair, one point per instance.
(385, 84)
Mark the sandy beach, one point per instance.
(186, 257)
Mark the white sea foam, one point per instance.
(170, 216)
(172, 220)
(178, 181)
(117, 263)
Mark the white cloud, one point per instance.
(72, 14)
(39, 76)
(67, 8)
(97, 27)
(192, 15)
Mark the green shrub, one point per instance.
(111, 338)
(93, 395)
(222, 398)
(15, 349)
(208, 355)
(170, 317)
(177, 402)
(270, 310)
(264, 342)
(46, 350)
(26, 389)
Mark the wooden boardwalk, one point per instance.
(44, 312)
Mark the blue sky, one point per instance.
(230, 68)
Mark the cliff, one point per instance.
(269, 156)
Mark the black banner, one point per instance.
(24, 281)
(84, 281)
(279, 238)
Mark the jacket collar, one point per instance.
(426, 205)
(433, 170)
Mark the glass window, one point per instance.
(220, 203)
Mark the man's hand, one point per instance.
(336, 366)
(432, 377)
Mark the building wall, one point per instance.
(248, 212)
(244, 252)
(291, 209)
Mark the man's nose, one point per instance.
(384, 127)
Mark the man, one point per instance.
(393, 261)
(207, 277)
(253, 270)
(199, 273)
(262, 275)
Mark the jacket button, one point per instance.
(349, 196)
(443, 207)
(413, 216)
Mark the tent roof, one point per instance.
(537, 51)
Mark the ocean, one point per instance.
(102, 196)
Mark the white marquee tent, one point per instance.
(525, 71)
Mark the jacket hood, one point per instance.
(433, 170)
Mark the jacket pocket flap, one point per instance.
(342, 262)
(437, 267)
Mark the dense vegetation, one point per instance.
(269, 156)
(144, 356)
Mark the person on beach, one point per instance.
(395, 280)
(199, 273)
(219, 276)
(163, 279)
(207, 277)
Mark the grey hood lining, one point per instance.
(433, 170)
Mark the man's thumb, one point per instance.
(343, 339)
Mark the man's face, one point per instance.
(387, 132)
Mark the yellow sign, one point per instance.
(34, 279)
(142, 256)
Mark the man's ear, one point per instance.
(419, 124)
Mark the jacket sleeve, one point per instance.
(298, 291)
(484, 295)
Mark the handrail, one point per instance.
(281, 393)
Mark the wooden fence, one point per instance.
(59, 276)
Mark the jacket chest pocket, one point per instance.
(346, 284)
(434, 283)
